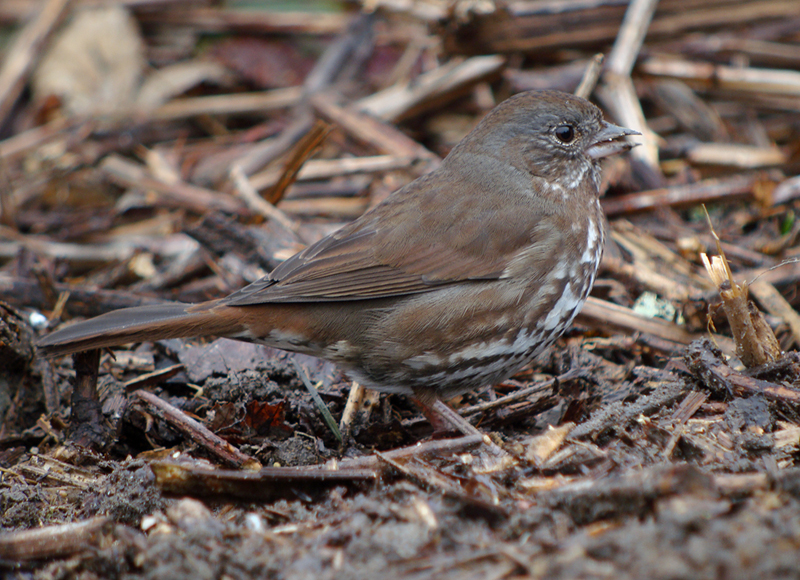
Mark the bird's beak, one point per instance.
(605, 144)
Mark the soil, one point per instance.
(641, 446)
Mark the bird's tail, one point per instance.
(169, 320)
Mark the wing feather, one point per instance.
(414, 242)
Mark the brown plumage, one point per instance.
(455, 281)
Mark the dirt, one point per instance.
(613, 505)
(639, 447)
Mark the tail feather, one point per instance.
(158, 322)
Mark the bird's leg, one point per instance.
(441, 417)
(444, 419)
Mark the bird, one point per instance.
(454, 282)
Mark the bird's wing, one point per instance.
(416, 242)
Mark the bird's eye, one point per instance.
(565, 133)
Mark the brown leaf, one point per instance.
(266, 64)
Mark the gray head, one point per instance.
(550, 134)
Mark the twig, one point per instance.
(730, 78)
(83, 301)
(197, 199)
(234, 19)
(260, 154)
(268, 483)
(707, 190)
(600, 313)
(617, 91)
(755, 342)
(383, 136)
(436, 448)
(51, 542)
(197, 432)
(258, 204)
(683, 413)
(630, 38)
(24, 52)
(718, 376)
(536, 389)
(235, 104)
(590, 76)
(304, 149)
(87, 427)
(736, 155)
(461, 424)
(445, 83)
(774, 302)
(316, 169)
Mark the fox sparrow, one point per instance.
(455, 281)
